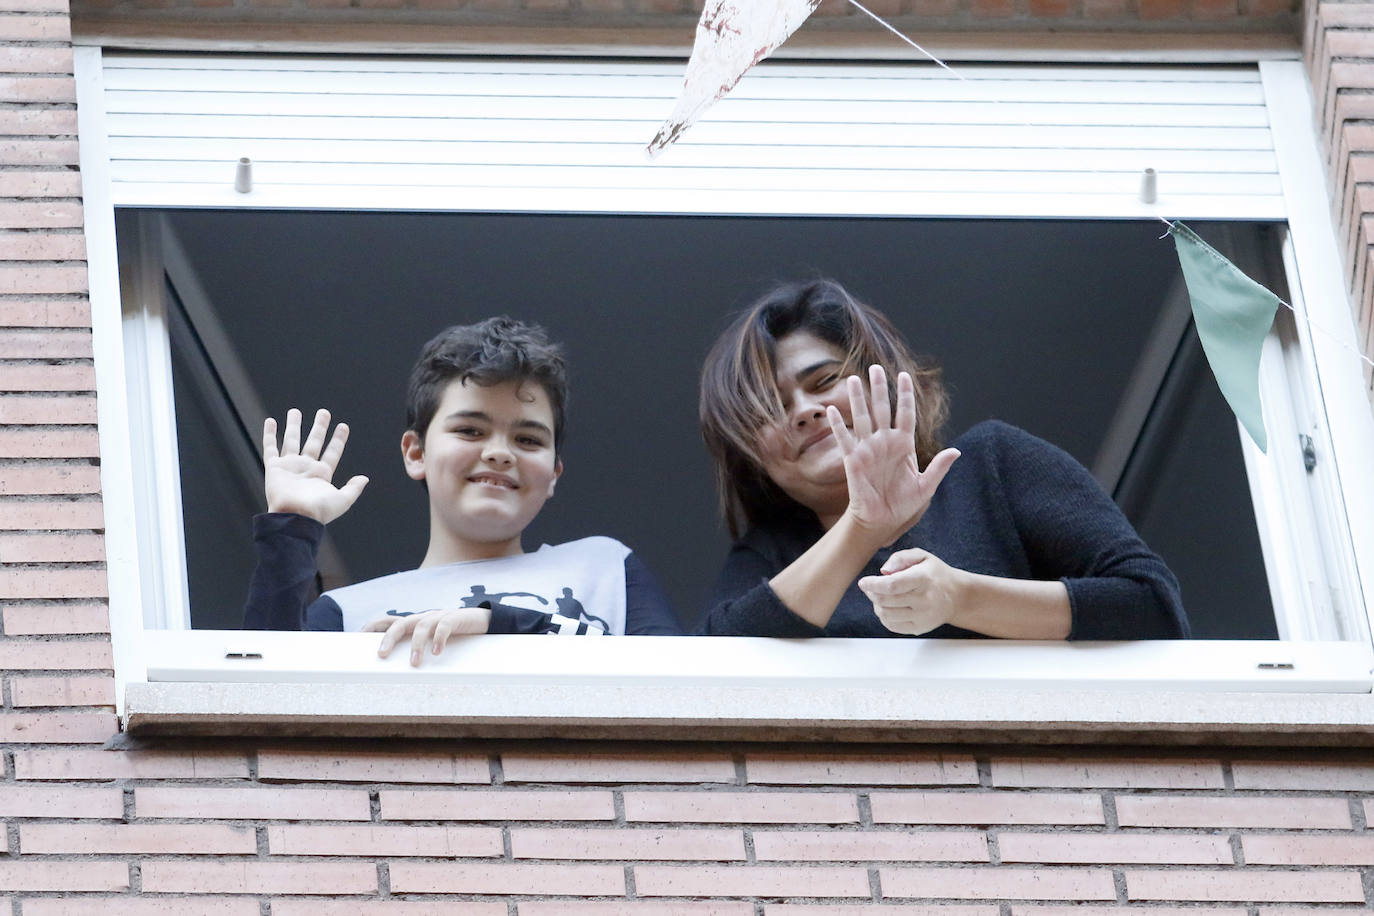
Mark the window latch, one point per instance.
(242, 655)
(1309, 453)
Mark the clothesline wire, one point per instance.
(1170, 223)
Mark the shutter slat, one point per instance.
(886, 139)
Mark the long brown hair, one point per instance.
(739, 392)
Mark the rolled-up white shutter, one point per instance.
(823, 139)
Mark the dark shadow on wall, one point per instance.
(1037, 323)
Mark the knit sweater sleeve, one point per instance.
(745, 604)
(286, 547)
(1072, 531)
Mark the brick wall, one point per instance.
(227, 827)
(925, 15)
(1338, 42)
(535, 829)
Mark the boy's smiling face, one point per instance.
(488, 462)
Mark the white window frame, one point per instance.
(213, 680)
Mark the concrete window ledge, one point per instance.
(719, 688)
(750, 713)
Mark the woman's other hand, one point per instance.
(299, 477)
(888, 490)
(916, 592)
(428, 630)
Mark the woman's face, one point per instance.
(799, 452)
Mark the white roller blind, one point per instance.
(818, 139)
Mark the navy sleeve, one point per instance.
(746, 605)
(1073, 531)
(287, 545)
(647, 612)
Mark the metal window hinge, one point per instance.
(1309, 453)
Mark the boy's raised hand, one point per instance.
(298, 477)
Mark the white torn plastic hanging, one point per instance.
(732, 36)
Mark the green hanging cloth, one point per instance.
(1233, 314)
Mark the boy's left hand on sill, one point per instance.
(428, 630)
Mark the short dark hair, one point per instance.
(490, 352)
(739, 392)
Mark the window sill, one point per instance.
(758, 689)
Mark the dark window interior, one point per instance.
(1040, 323)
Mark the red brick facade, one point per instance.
(535, 828)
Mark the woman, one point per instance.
(841, 533)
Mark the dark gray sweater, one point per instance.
(1013, 506)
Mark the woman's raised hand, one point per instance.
(298, 477)
(888, 491)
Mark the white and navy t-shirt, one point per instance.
(578, 586)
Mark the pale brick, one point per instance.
(49, 515)
(137, 839)
(641, 844)
(50, 619)
(35, 6)
(999, 883)
(50, 479)
(750, 881)
(476, 805)
(68, 764)
(89, 875)
(378, 840)
(36, 152)
(36, 60)
(35, 28)
(55, 655)
(45, 344)
(1050, 910)
(60, 801)
(984, 808)
(32, 183)
(874, 909)
(252, 803)
(1088, 773)
(1246, 884)
(636, 908)
(26, 281)
(144, 906)
(869, 846)
(56, 727)
(161, 876)
(373, 766)
(46, 377)
(742, 807)
(1198, 811)
(1094, 848)
(41, 214)
(42, 246)
(47, 313)
(62, 691)
(450, 878)
(52, 548)
(1293, 911)
(631, 767)
(312, 907)
(1291, 849)
(17, 582)
(908, 769)
(69, 442)
(1309, 775)
(306, 906)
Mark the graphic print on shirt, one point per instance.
(571, 618)
(574, 587)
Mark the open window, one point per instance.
(393, 197)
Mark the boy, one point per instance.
(484, 430)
